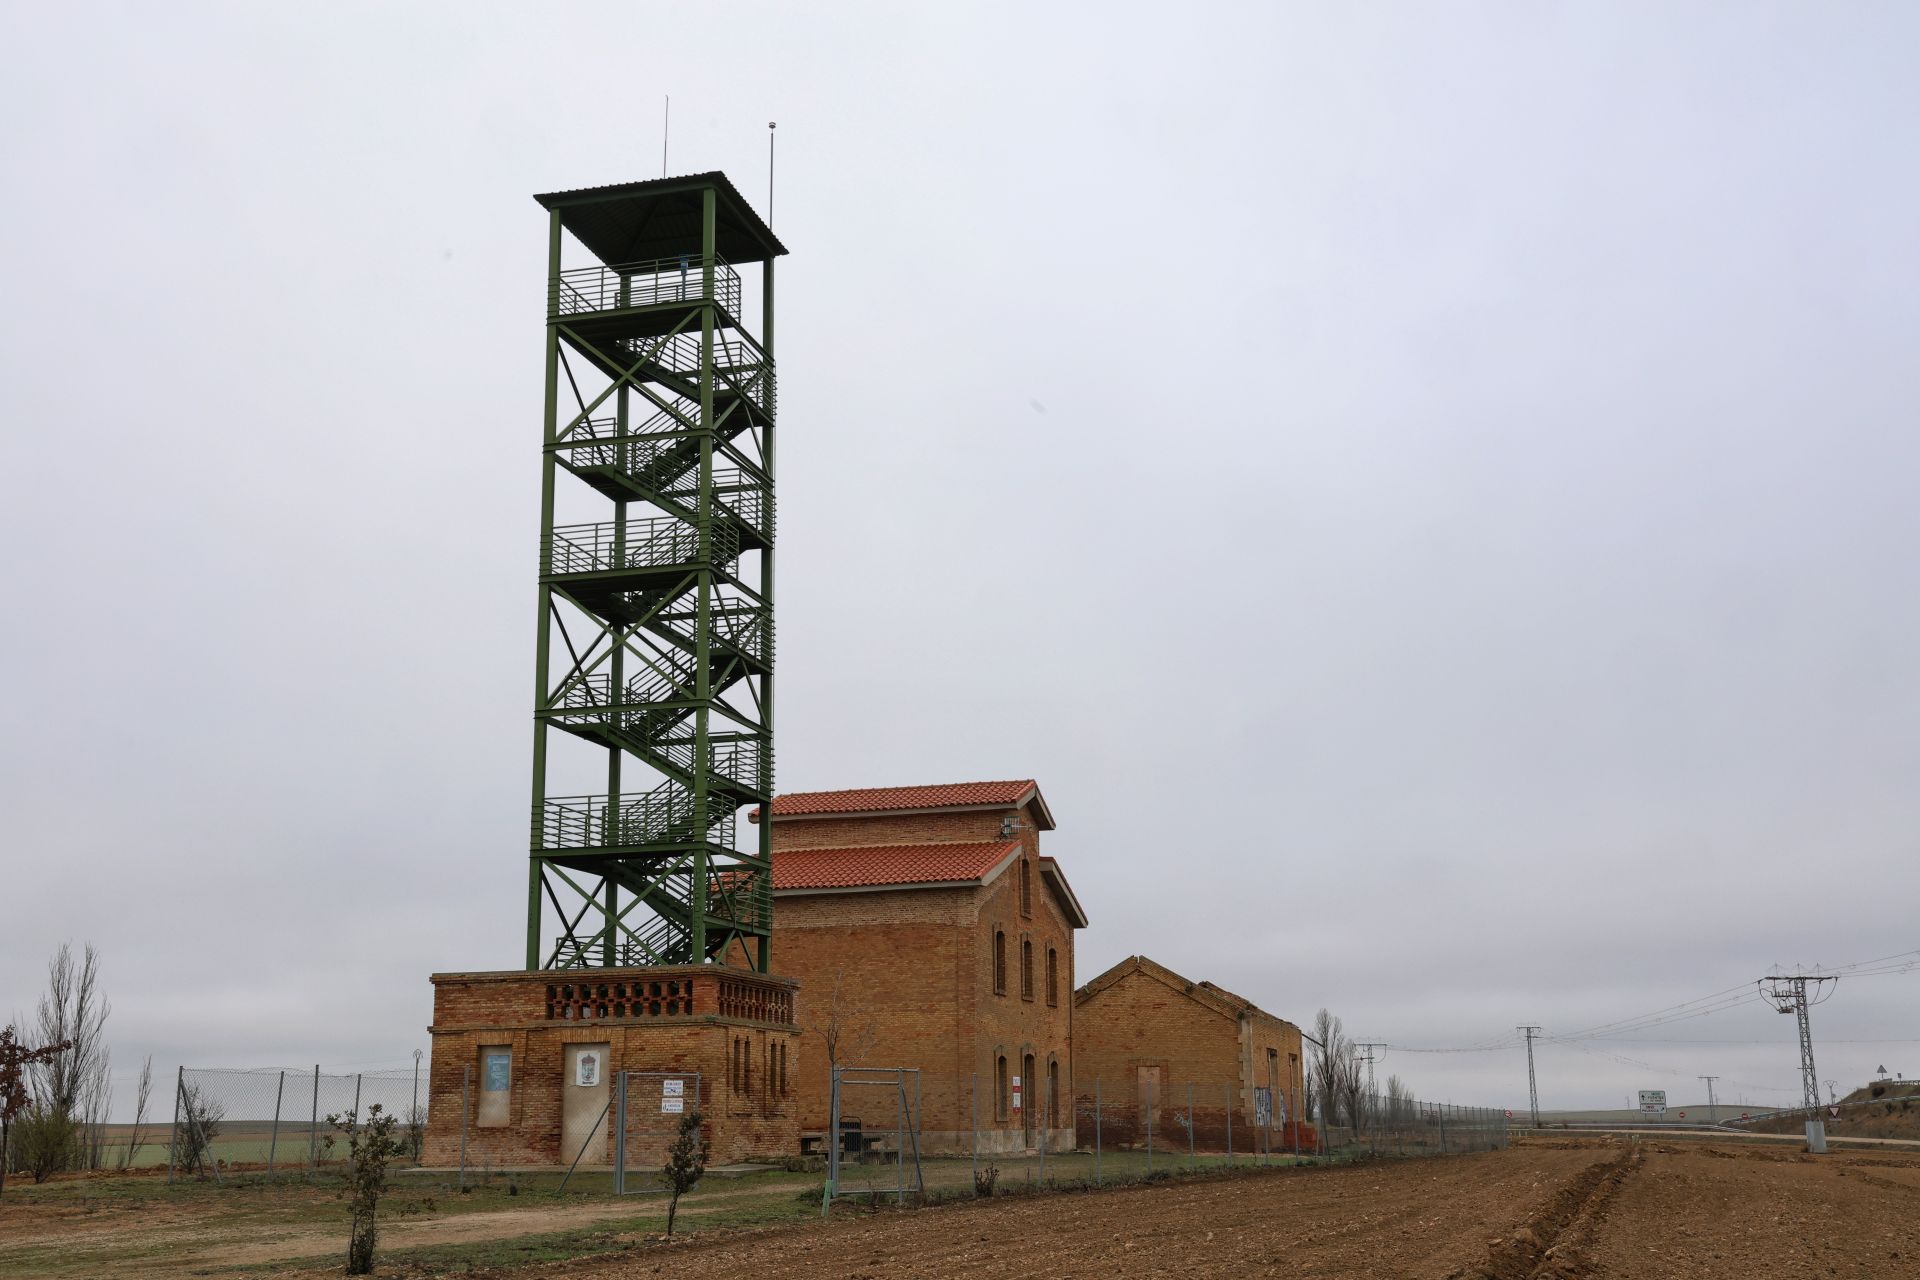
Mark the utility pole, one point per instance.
(1713, 1117)
(1789, 995)
(1533, 1089)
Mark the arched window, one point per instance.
(1053, 976)
(1053, 1093)
(1026, 887)
(1026, 968)
(1000, 1087)
(999, 962)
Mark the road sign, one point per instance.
(1509, 1113)
(1745, 1116)
(1835, 1111)
(1683, 1115)
(1653, 1101)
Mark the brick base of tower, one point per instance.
(524, 1062)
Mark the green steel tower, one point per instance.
(655, 640)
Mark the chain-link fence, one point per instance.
(988, 1132)
(273, 1121)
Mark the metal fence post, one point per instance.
(973, 1138)
(173, 1134)
(313, 1125)
(833, 1139)
(1152, 1090)
(273, 1143)
(1046, 1121)
(620, 1132)
(1096, 1131)
(1443, 1131)
(466, 1091)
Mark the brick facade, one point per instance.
(1146, 1034)
(733, 1027)
(906, 976)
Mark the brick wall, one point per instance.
(474, 1010)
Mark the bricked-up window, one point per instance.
(1026, 887)
(1053, 1093)
(783, 1068)
(1026, 968)
(999, 962)
(1053, 976)
(1000, 1093)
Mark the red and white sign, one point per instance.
(1745, 1116)
(1016, 1095)
(1509, 1114)
(1683, 1115)
(1835, 1111)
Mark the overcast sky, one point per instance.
(1428, 490)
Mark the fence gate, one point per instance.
(876, 1115)
(647, 1106)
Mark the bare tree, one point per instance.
(138, 1138)
(1331, 1051)
(844, 1022)
(1353, 1086)
(76, 1082)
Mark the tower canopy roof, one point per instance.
(660, 218)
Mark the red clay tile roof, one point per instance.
(875, 799)
(888, 865)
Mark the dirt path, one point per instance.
(190, 1239)
(1424, 1219)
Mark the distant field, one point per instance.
(242, 1143)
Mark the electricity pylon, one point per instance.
(1533, 1089)
(1789, 993)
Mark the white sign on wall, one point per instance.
(673, 1088)
(586, 1069)
(672, 1105)
(1016, 1093)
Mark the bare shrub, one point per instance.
(200, 1121)
(686, 1163)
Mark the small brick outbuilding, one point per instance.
(927, 930)
(1152, 1039)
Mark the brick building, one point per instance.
(1147, 1034)
(524, 1063)
(926, 929)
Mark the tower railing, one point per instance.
(663, 815)
(624, 285)
(644, 544)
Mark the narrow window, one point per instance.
(1053, 1093)
(1026, 887)
(999, 962)
(1000, 1087)
(1026, 968)
(1053, 976)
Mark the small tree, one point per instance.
(15, 1061)
(844, 1022)
(43, 1141)
(686, 1163)
(200, 1119)
(138, 1137)
(369, 1148)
